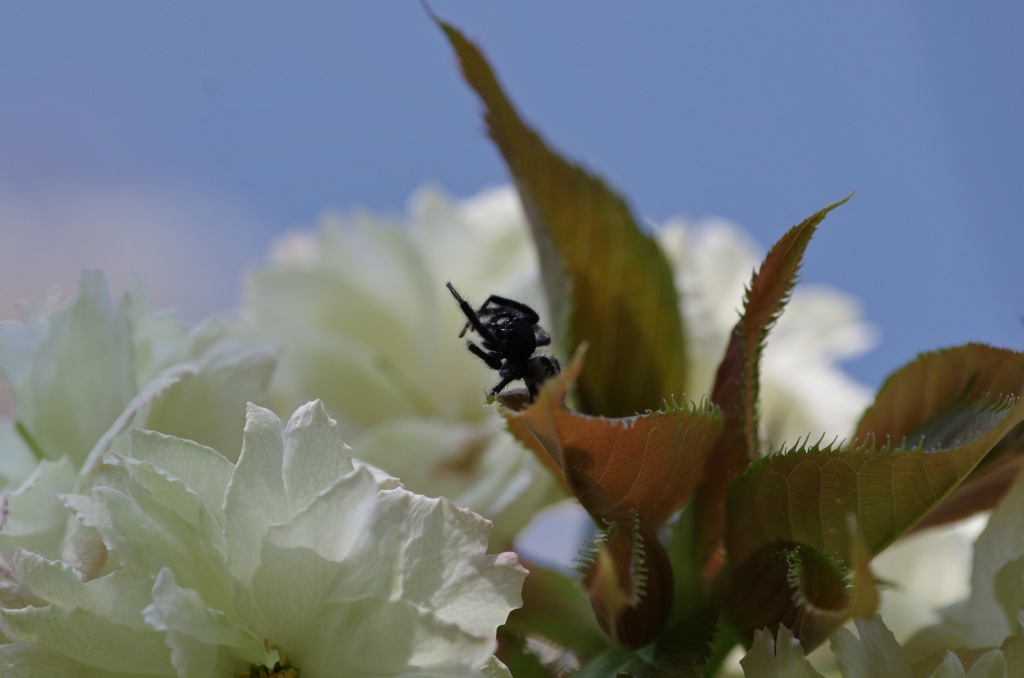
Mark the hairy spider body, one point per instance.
(509, 334)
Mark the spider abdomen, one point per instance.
(518, 341)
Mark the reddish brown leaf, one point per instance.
(737, 382)
(649, 462)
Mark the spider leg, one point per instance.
(494, 299)
(492, 362)
(531, 387)
(472, 319)
(502, 384)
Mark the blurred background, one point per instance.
(176, 141)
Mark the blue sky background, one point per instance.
(187, 135)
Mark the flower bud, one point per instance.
(630, 585)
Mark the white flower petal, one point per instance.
(149, 529)
(89, 638)
(314, 456)
(33, 516)
(992, 664)
(255, 497)
(771, 658)
(16, 458)
(82, 373)
(196, 633)
(65, 415)
(951, 667)
(202, 469)
(22, 660)
(207, 405)
(989, 615)
(875, 653)
(119, 595)
(395, 639)
(474, 465)
(96, 623)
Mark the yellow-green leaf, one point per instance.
(806, 496)
(608, 283)
(946, 396)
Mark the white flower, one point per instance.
(991, 615)
(365, 319)
(874, 652)
(82, 373)
(293, 556)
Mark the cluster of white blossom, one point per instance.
(154, 524)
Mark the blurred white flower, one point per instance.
(991, 615)
(363, 315)
(82, 373)
(366, 325)
(873, 652)
(293, 558)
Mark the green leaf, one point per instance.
(923, 404)
(807, 495)
(556, 608)
(944, 397)
(629, 581)
(638, 665)
(608, 283)
(650, 462)
(611, 663)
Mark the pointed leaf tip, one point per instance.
(737, 382)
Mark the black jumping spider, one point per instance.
(510, 334)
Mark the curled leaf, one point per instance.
(942, 399)
(650, 462)
(629, 581)
(804, 589)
